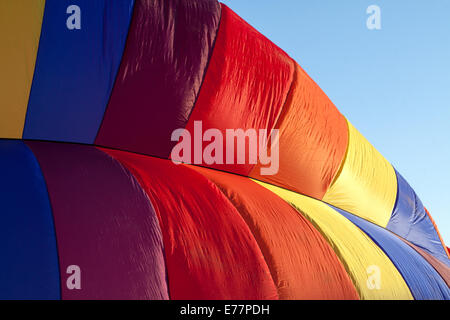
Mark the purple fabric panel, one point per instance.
(168, 48)
(105, 224)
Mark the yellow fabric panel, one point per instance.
(357, 252)
(20, 29)
(366, 184)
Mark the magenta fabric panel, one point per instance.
(166, 55)
(105, 224)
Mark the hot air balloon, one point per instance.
(92, 205)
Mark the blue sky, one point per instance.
(393, 84)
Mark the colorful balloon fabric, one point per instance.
(91, 92)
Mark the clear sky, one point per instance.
(393, 84)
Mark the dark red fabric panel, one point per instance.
(210, 251)
(246, 84)
(167, 51)
(302, 263)
(105, 224)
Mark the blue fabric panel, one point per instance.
(422, 279)
(29, 258)
(76, 69)
(410, 221)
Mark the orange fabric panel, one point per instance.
(302, 263)
(209, 250)
(313, 140)
(437, 230)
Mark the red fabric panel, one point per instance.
(313, 140)
(104, 224)
(246, 83)
(210, 251)
(167, 51)
(302, 263)
(438, 265)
